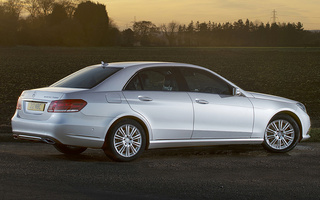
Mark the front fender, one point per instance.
(265, 110)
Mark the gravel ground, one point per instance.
(37, 171)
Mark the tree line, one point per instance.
(85, 23)
(238, 33)
(58, 23)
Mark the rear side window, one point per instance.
(154, 79)
(86, 78)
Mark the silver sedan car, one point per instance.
(127, 107)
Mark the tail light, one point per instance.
(19, 104)
(67, 105)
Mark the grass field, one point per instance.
(288, 72)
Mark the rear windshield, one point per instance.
(86, 78)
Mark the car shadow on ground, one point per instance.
(221, 150)
(97, 155)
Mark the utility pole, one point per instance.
(274, 13)
(134, 21)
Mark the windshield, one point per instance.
(86, 78)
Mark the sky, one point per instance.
(124, 12)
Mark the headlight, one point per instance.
(300, 105)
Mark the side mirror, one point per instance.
(236, 92)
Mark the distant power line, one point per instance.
(274, 17)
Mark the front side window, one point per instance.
(154, 79)
(86, 78)
(202, 81)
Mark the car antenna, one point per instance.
(104, 64)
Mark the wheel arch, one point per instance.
(141, 122)
(296, 119)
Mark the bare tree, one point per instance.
(70, 5)
(145, 32)
(38, 8)
(13, 7)
(170, 31)
(32, 7)
(45, 6)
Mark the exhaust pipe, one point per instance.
(48, 141)
(34, 138)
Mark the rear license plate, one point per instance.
(36, 106)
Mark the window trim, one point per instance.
(181, 81)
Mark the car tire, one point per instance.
(70, 150)
(282, 134)
(125, 141)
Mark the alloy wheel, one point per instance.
(127, 140)
(279, 134)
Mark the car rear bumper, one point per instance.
(79, 130)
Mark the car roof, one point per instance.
(117, 81)
(134, 63)
(142, 64)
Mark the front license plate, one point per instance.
(36, 106)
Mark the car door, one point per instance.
(154, 93)
(217, 112)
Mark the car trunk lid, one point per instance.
(34, 103)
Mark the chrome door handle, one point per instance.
(201, 101)
(142, 98)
